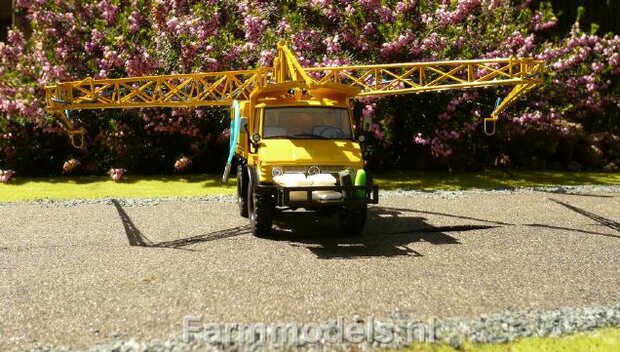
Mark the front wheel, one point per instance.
(353, 219)
(260, 211)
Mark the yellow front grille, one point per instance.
(325, 169)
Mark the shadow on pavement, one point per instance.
(567, 193)
(134, 235)
(574, 230)
(137, 238)
(388, 233)
(211, 236)
(404, 210)
(601, 220)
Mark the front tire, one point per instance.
(353, 219)
(260, 211)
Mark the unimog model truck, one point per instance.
(297, 148)
(292, 130)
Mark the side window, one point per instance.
(258, 116)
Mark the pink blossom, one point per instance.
(419, 139)
(117, 175)
(70, 165)
(376, 131)
(182, 164)
(108, 11)
(6, 175)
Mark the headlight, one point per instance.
(276, 171)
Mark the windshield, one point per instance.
(306, 122)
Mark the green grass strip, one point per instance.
(491, 179)
(601, 340)
(100, 187)
(90, 187)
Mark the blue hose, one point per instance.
(235, 127)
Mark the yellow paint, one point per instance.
(291, 152)
(287, 83)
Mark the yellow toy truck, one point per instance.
(292, 130)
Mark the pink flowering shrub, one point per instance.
(71, 40)
(117, 174)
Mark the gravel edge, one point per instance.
(152, 201)
(506, 326)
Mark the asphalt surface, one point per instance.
(80, 275)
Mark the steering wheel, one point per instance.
(332, 132)
(329, 132)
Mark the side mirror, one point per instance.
(243, 124)
(256, 137)
(366, 124)
(361, 124)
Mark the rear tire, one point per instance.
(353, 219)
(260, 211)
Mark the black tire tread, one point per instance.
(353, 220)
(262, 218)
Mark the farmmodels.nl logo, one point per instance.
(336, 331)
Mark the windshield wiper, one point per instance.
(311, 135)
(278, 136)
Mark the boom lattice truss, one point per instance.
(221, 88)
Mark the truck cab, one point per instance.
(298, 151)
